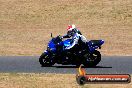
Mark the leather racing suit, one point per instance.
(76, 35)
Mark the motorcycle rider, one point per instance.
(73, 32)
(76, 36)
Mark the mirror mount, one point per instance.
(51, 35)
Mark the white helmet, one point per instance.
(71, 27)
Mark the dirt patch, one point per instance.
(25, 25)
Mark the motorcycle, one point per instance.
(82, 53)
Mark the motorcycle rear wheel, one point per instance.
(92, 60)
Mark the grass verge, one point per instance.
(25, 25)
(44, 80)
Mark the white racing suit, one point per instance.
(75, 39)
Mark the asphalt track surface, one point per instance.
(30, 64)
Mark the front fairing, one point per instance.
(51, 45)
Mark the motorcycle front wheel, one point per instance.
(45, 60)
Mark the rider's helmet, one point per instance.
(71, 29)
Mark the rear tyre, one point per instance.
(92, 60)
(45, 60)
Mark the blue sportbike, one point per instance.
(82, 53)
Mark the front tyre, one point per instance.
(45, 60)
(93, 59)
